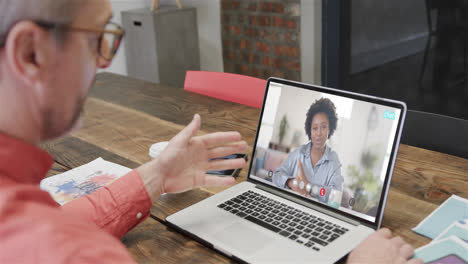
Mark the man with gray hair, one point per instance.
(49, 53)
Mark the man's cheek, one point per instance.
(90, 76)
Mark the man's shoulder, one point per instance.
(33, 213)
(33, 231)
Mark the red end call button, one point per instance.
(322, 192)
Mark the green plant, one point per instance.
(368, 159)
(366, 185)
(282, 128)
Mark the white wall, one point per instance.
(209, 33)
(209, 30)
(354, 136)
(294, 112)
(311, 41)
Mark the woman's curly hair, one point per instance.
(322, 105)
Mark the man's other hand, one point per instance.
(380, 247)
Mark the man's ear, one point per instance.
(28, 50)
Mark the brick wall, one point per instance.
(261, 38)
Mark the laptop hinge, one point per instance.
(301, 202)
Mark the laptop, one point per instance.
(263, 220)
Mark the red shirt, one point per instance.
(35, 229)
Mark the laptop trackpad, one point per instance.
(242, 237)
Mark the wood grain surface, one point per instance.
(428, 175)
(403, 212)
(123, 117)
(71, 152)
(176, 105)
(56, 169)
(153, 242)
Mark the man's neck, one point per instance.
(16, 118)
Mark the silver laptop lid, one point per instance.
(331, 148)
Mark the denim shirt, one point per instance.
(327, 171)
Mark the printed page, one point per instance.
(82, 180)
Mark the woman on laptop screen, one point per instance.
(313, 168)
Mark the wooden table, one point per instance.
(123, 117)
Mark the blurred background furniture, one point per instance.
(266, 162)
(279, 147)
(436, 132)
(161, 46)
(231, 87)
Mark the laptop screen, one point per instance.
(326, 147)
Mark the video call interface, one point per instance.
(327, 148)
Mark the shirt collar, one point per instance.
(325, 156)
(21, 162)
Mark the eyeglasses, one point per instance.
(109, 40)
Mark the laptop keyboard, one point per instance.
(311, 231)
